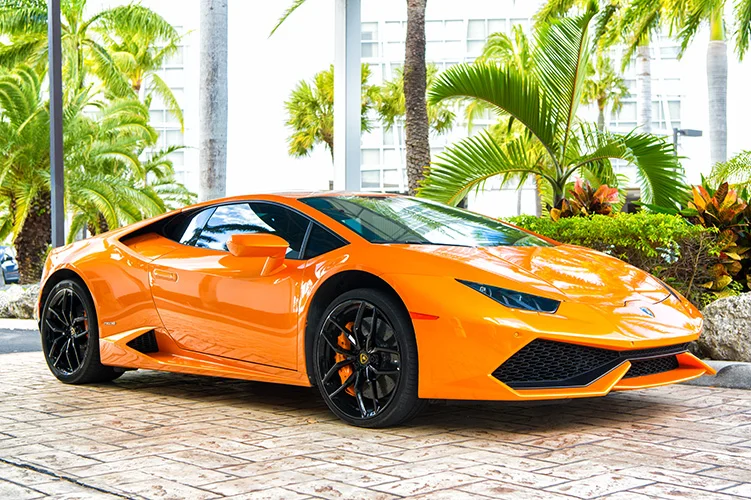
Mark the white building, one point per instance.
(263, 71)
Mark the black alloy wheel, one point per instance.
(366, 360)
(70, 336)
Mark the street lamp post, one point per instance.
(57, 178)
(686, 132)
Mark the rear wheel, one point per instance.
(70, 336)
(366, 360)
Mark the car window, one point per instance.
(190, 235)
(320, 241)
(253, 218)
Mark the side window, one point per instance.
(190, 235)
(320, 241)
(243, 218)
(284, 223)
(228, 220)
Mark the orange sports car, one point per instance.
(380, 301)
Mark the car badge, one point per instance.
(647, 311)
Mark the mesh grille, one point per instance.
(641, 367)
(543, 360)
(545, 363)
(145, 343)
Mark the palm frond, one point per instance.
(293, 7)
(160, 88)
(504, 88)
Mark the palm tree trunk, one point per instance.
(601, 119)
(717, 84)
(415, 83)
(213, 101)
(34, 239)
(644, 87)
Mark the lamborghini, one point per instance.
(382, 302)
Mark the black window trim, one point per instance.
(308, 230)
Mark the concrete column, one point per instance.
(347, 96)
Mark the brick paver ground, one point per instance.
(160, 435)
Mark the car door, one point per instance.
(215, 303)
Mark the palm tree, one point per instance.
(310, 112)
(417, 126)
(688, 17)
(213, 103)
(603, 87)
(545, 102)
(632, 22)
(26, 28)
(102, 169)
(139, 53)
(391, 104)
(736, 171)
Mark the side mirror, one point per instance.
(268, 246)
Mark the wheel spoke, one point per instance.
(75, 353)
(378, 372)
(67, 354)
(385, 351)
(58, 317)
(53, 327)
(350, 380)
(373, 389)
(71, 305)
(337, 349)
(358, 395)
(52, 347)
(80, 334)
(79, 319)
(373, 323)
(338, 366)
(60, 355)
(350, 335)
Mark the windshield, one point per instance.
(412, 221)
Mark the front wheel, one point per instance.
(366, 360)
(70, 336)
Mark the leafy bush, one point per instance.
(666, 246)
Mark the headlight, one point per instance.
(514, 299)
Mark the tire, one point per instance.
(367, 380)
(70, 336)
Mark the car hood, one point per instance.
(580, 274)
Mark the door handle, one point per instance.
(165, 275)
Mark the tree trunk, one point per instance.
(717, 84)
(644, 88)
(213, 101)
(34, 239)
(601, 119)
(415, 83)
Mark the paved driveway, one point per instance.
(159, 435)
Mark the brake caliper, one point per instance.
(346, 371)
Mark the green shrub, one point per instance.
(667, 246)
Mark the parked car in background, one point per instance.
(8, 265)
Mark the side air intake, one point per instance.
(145, 343)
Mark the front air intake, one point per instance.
(145, 343)
(548, 364)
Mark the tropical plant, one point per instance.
(417, 125)
(83, 54)
(688, 17)
(723, 210)
(631, 22)
(736, 171)
(139, 53)
(391, 104)
(668, 246)
(102, 150)
(603, 87)
(545, 102)
(310, 112)
(585, 200)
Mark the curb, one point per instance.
(730, 375)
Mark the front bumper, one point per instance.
(470, 339)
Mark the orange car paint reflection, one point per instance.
(218, 314)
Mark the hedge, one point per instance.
(666, 246)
